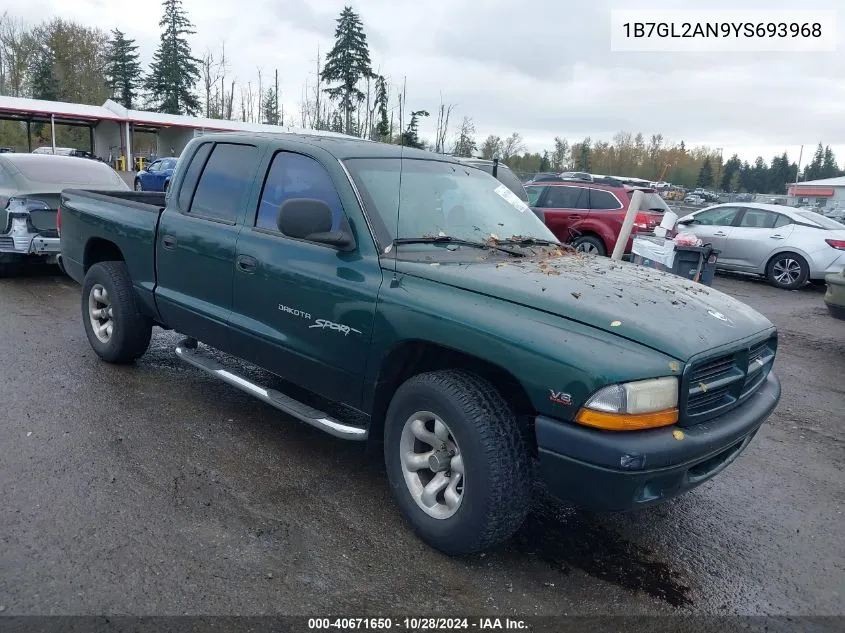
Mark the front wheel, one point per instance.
(116, 330)
(456, 461)
(788, 271)
(138, 186)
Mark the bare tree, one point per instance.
(442, 126)
(18, 47)
(512, 146)
(212, 72)
(260, 117)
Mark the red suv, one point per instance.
(589, 214)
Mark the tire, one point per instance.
(590, 244)
(494, 460)
(130, 331)
(138, 185)
(787, 271)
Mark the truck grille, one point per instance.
(7, 243)
(714, 386)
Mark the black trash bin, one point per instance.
(696, 261)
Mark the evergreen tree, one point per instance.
(705, 175)
(347, 63)
(732, 167)
(734, 185)
(337, 122)
(410, 137)
(746, 177)
(123, 70)
(813, 171)
(759, 176)
(545, 164)
(270, 108)
(829, 167)
(45, 85)
(174, 71)
(383, 125)
(582, 155)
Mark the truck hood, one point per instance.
(663, 311)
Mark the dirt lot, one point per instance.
(154, 490)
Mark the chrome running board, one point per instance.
(187, 351)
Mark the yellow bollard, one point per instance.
(140, 163)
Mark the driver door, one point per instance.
(300, 309)
(713, 226)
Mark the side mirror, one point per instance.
(311, 220)
(686, 220)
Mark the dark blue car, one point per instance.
(156, 177)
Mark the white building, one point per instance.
(827, 192)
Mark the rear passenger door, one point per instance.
(195, 253)
(303, 310)
(564, 207)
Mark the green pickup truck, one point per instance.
(470, 348)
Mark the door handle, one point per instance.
(720, 234)
(575, 216)
(246, 264)
(168, 242)
(776, 237)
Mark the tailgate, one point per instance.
(42, 209)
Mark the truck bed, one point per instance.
(96, 224)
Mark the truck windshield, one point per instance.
(438, 198)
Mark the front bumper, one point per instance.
(834, 297)
(29, 244)
(609, 470)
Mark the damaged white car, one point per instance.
(30, 191)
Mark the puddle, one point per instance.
(567, 538)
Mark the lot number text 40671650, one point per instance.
(417, 624)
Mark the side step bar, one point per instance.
(187, 351)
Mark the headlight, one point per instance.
(630, 406)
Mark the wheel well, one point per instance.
(784, 252)
(99, 250)
(415, 357)
(590, 233)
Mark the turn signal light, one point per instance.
(626, 421)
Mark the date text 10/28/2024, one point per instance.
(417, 624)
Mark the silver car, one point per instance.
(786, 245)
(30, 188)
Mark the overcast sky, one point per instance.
(542, 68)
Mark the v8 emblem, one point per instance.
(559, 397)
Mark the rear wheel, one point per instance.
(589, 244)
(116, 330)
(456, 461)
(788, 271)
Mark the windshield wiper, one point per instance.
(528, 241)
(446, 239)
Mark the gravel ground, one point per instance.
(152, 489)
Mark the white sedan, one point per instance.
(786, 245)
